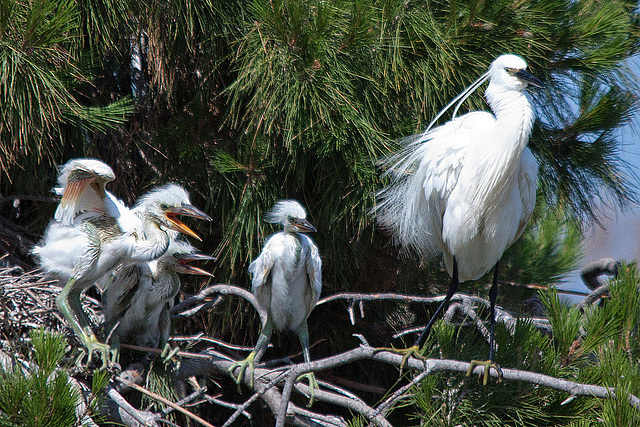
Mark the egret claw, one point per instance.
(487, 364)
(92, 344)
(313, 386)
(243, 365)
(168, 354)
(413, 351)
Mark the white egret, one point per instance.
(93, 232)
(287, 280)
(137, 304)
(467, 188)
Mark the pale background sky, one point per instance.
(620, 238)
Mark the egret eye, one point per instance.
(511, 71)
(176, 255)
(290, 218)
(164, 206)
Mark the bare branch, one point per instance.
(165, 401)
(222, 289)
(127, 414)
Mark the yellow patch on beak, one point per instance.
(180, 226)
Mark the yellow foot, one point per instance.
(243, 365)
(488, 364)
(413, 351)
(92, 344)
(168, 354)
(313, 386)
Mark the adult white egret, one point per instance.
(93, 232)
(137, 304)
(287, 280)
(467, 188)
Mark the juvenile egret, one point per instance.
(137, 304)
(93, 232)
(287, 280)
(467, 188)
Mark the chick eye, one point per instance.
(290, 218)
(511, 71)
(164, 206)
(176, 255)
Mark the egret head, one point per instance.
(178, 257)
(510, 72)
(164, 204)
(291, 215)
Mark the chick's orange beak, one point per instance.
(180, 226)
(186, 210)
(189, 269)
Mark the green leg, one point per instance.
(263, 341)
(168, 353)
(69, 304)
(303, 334)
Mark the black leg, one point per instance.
(493, 293)
(453, 287)
(488, 364)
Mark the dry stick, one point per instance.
(166, 402)
(42, 304)
(284, 403)
(196, 394)
(355, 405)
(441, 365)
(401, 392)
(200, 337)
(126, 406)
(471, 313)
(185, 354)
(222, 289)
(390, 296)
(266, 387)
(431, 366)
(224, 404)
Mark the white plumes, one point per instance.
(60, 247)
(466, 188)
(285, 209)
(167, 194)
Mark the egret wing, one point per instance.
(313, 266)
(119, 289)
(82, 186)
(261, 267)
(527, 184)
(423, 176)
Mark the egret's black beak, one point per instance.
(527, 77)
(197, 257)
(192, 211)
(303, 226)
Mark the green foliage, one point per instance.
(246, 102)
(42, 397)
(548, 249)
(597, 346)
(42, 72)
(325, 86)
